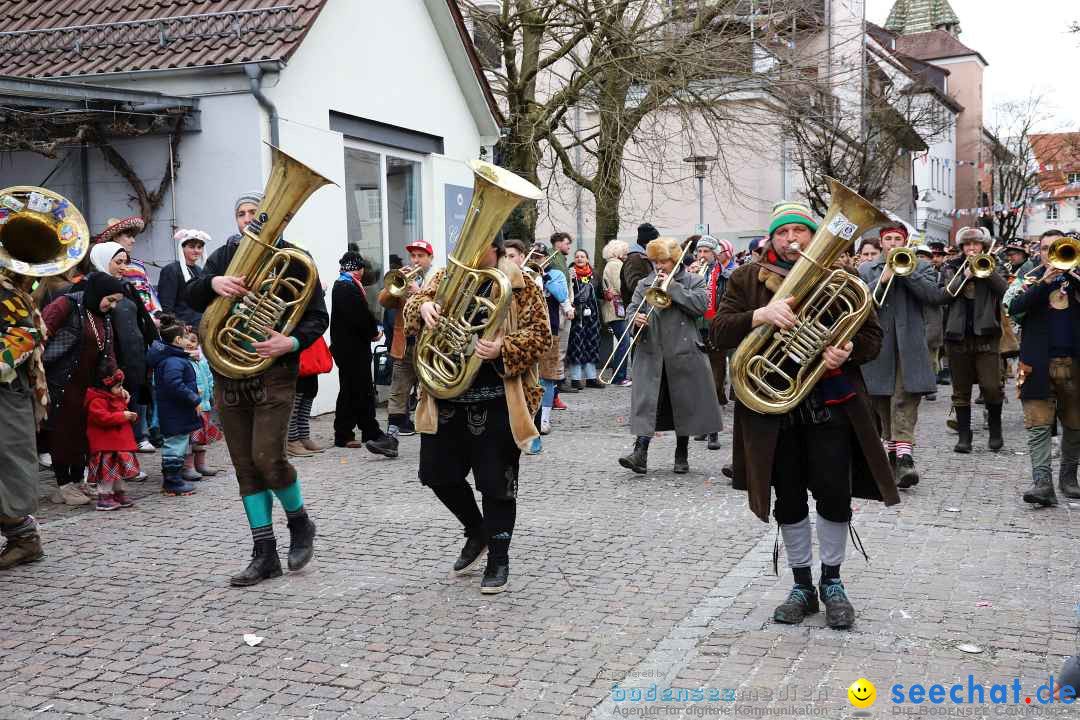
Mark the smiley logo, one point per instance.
(862, 693)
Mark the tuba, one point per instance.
(274, 301)
(773, 370)
(41, 232)
(473, 301)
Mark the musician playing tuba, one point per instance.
(485, 427)
(828, 444)
(672, 387)
(255, 410)
(973, 336)
(902, 372)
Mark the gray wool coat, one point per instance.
(669, 344)
(903, 320)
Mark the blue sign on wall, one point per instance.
(458, 198)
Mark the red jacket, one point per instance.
(107, 430)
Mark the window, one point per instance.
(1051, 212)
(1078, 212)
(1074, 177)
(948, 183)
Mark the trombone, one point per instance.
(1063, 254)
(397, 281)
(534, 268)
(657, 297)
(982, 266)
(902, 261)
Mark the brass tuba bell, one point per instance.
(473, 300)
(274, 301)
(41, 232)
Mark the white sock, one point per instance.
(798, 543)
(545, 416)
(832, 541)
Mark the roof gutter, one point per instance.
(254, 73)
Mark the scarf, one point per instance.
(778, 261)
(584, 272)
(36, 367)
(714, 281)
(356, 278)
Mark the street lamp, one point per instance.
(701, 170)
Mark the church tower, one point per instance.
(908, 17)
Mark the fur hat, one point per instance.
(970, 233)
(663, 248)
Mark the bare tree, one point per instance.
(898, 116)
(584, 81)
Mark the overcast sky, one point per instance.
(1028, 49)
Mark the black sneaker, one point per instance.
(839, 612)
(470, 555)
(801, 601)
(386, 446)
(496, 576)
(406, 428)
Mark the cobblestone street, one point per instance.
(648, 581)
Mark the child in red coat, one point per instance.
(111, 440)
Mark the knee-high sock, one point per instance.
(798, 543)
(259, 508)
(459, 500)
(500, 515)
(832, 541)
(290, 497)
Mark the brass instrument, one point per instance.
(902, 261)
(982, 266)
(773, 370)
(534, 269)
(1064, 253)
(41, 232)
(230, 326)
(472, 300)
(657, 298)
(397, 281)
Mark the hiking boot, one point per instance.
(963, 429)
(993, 420)
(839, 613)
(206, 471)
(1041, 491)
(594, 384)
(1067, 480)
(264, 564)
(906, 474)
(701, 438)
(801, 601)
(470, 554)
(190, 475)
(496, 576)
(568, 387)
(301, 541)
(107, 502)
(387, 446)
(728, 471)
(21, 550)
(309, 445)
(175, 487)
(68, 494)
(296, 449)
(637, 460)
(714, 441)
(577, 386)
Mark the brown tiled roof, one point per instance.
(934, 45)
(54, 38)
(1061, 152)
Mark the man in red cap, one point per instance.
(402, 348)
(902, 372)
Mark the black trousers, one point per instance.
(355, 401)
(472, 438)
(815, 458)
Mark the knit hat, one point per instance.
(708, 242)
(754, 245)
(725, 246)
(787, 212)
(352, 261)
(646, 232)
(254, 197)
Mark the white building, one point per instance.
(391, 114)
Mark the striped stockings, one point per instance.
(300, 419)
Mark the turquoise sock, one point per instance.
(291, 498)
(259, 508)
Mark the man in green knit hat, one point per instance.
(828, 445)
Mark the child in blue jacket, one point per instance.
(177, 395)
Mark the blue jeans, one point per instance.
(173, 453)
(140, 424)
(618, 327)
(549, 392)
(582, 372)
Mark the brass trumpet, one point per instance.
(657, 297)
(397, 281)
(1064, 253)
(982, 266)
(902, 261)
